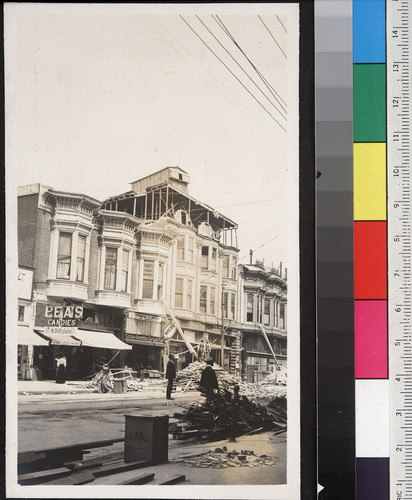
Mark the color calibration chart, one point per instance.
(381, 238)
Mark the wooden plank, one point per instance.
(178, 478)
(45, 476)
(142, 479)
(116, 468)
(75, 479)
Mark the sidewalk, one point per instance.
(44, 388)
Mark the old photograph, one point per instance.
(152, 169)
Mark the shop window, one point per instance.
(249, 308)
(226, 266)
(212, 299)
(160, 270)
(267, 312)
(189, 304)
(64, 256)
(148, 279)
(203, 299)
(110, 269)
(125, 270)
(179, 293)
(205, 257)
(144, 327)
(233, 305)
(282, 317)
(81, 257)
(21, 313)
(181, 248)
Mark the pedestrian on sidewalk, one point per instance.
(170, 375)
(61, 369)
(208, 380)
(106, 384)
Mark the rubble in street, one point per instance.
(213, 419)
(189, 377)
(221, 458)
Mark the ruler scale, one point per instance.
(399, 246)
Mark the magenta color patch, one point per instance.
(371, 339)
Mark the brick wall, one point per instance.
(26, 228)
(42, 246)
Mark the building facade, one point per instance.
(263, 320)
(139, 275)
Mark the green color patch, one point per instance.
(369, 103)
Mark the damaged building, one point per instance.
(146, 272)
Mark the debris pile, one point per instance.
(189, 377)
(279, 377)
(221, 458)
(221, 416)
(270, 391)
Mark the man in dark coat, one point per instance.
(170, 375)
(208, 380)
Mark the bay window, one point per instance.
(64, 256)
(125, 270)
(267, 312)
(249, 308)
(226, 266)
(81, 257)
(189, 292)
(205, 257)
(212, 299)
(160, 269)
(110, 269)
(179, 293)
(282, 317)
(148, 279)
(203, 299)
(181, 248)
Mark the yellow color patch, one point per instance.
(369, 181)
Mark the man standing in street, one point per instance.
(208, 380)
(170, 375)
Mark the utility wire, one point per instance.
(241, 67)
(246, 112)
(281, 23)
(258, 248)
(271, 34)
(214, 53)
(268, 85)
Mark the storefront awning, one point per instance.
(26, 336)
(104, 340)
(62, 339)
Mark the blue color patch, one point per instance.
(369, 31)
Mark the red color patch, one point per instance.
(370, 260)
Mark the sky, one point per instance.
(105, 97)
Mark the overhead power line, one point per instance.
(271, 34)
(281, 23)
(241, 67)
(268, 85)
(231, 72)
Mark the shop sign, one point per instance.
(58, 315)
(147, 339)
(60, 330)
(143, 317)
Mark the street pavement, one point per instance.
(52, 415)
